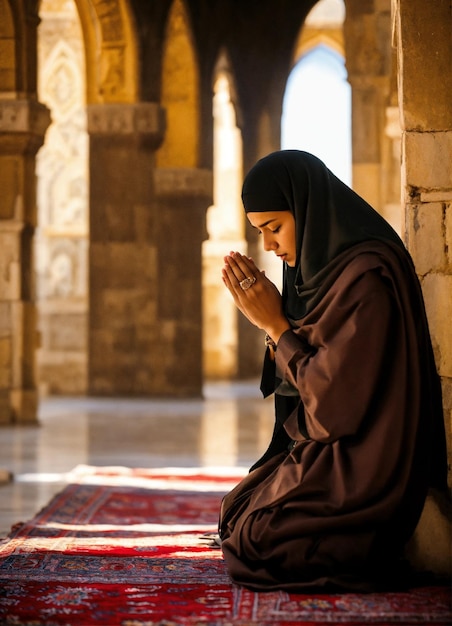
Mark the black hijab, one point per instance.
(329, 219)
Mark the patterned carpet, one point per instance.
(123, 547)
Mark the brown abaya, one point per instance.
(360, 439)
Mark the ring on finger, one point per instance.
(247, 282)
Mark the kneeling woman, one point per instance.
(359, 431)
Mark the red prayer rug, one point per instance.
(123, 547)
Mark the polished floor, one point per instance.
(230, 427)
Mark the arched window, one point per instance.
(317, 110)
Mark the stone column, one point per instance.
(425, 86)
(22, 128)
(367, 36)
(123, 330)
(184, 194)
(424, 51)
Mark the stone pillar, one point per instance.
(123, 333)
(424, 54)
(183, 196)
(367, 36)
(22, 128)
(425, 86)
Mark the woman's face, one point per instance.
(277, 229)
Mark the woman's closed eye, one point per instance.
(274, 232)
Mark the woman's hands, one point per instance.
(261, 303)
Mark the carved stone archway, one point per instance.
(111, 51)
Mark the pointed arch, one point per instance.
(223, 67)
(227, 153)
(323, 25)
(317, 110)
(317, 101)
(111, 50)
(180, 92)
(225, 226)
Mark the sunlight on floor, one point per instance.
(225, 431)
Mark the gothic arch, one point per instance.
(317, 109)
(308, 42)
(110, 49)
(180, 92)
(225, 226)
(224, 66)
(323, 25)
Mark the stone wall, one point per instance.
(424, 55)
(427, 165)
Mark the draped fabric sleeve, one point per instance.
(339, 377)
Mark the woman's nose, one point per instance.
(269, 242)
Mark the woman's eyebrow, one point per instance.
(266, 223)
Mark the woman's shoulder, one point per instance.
(367, 273)
(373, 258)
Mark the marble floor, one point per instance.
(230, 427)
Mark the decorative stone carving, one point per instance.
(61, 275)
(23, 116)
(145, 118)
(109, 14)
(62, 173)
(184, 182)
